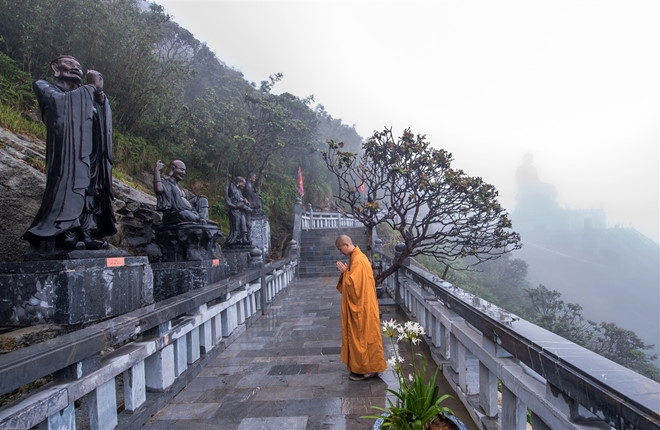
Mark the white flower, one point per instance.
(392, 362)
(410, 377)
(390, 328)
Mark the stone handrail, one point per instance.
(150, 350)
(564, 385)
(326, 220)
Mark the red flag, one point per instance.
(301, 190)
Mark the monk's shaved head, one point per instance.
(342, 239)
(344, 244)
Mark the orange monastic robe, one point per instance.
(361, 340)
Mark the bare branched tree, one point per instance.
(410, 186)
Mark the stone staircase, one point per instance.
(318, 253)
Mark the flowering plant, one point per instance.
(417, 401)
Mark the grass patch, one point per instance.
(17, 123)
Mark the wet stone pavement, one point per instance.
(284, 373)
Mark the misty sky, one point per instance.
(576, 83)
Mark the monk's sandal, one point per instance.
(358, 377)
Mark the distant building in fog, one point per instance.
(537, 208)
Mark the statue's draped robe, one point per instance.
(78, 163)
(172, 201)
(238, 231)
(361, 340)
(254, 199)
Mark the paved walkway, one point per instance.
(284, 373)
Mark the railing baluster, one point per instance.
(159, 369)
(135, 393)
(514, 411)
(205, 337)
(180, 355)
(488, 392)
(102, 404)
(64, 419)
(192, 341)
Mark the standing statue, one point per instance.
(239, 207)
(76, 210)
(256, 203)
(171, 197)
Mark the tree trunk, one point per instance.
(444, 274)
(396, 265)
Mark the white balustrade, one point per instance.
(150, 364)
(496, 388)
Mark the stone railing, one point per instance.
(321, 220)
(141, 359)
(502, 367)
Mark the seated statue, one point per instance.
(238, 208)
(171, 197)
(186, 234)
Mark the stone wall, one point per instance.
(22, 187)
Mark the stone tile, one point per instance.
(187, 396)
(346, 389)
(224, 395)
(325, 422)
(331, 350)
(331, 406)
(285, 393)
(256, 380)
(201, 384)
(361, 405)
(274, 423)
(187, 411)
(293, 369)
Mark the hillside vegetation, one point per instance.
(172, 98)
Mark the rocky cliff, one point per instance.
(22, 185)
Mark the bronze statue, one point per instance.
(76, 210)
(172, 197)
(256, 203)
(238, 208)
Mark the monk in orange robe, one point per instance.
(361, 341)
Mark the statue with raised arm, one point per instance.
(76, 210)
(238, 208)
(172, 198)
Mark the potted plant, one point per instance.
(417, 404)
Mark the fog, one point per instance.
(573, 82)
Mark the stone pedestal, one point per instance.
(73, 291)
(238, 259)
(172, 279)
(260, 234)
(188, 242)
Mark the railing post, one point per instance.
(297, 220)
(135, 391)
(205, 337)
(192, 339)
(312, 223)
(103, 406)
(487, 391)
(64, 419)
(159, 369)
(180, 355)
(514, 411)
(468, 370)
